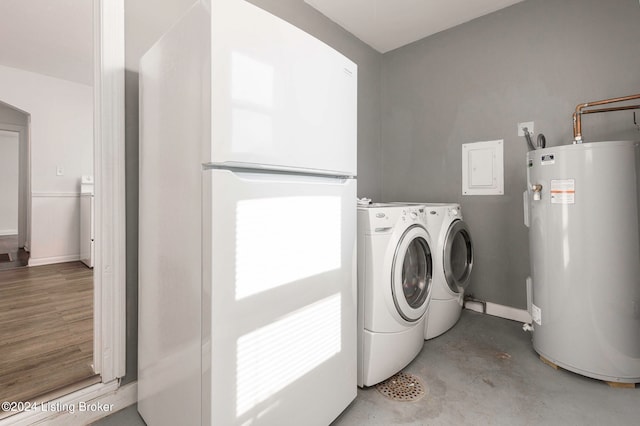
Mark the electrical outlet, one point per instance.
(528, 125)
(59, 171)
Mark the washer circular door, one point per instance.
(411, 273)
(458, 256)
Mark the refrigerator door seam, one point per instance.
(258, 169)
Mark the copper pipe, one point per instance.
(591, 111)
(577, 116)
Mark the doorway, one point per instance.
(107, 107)
(14, 183)
(46, 294)
(9, 182)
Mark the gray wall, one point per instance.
(142, 28)
(534, 61)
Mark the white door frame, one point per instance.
(109, 170)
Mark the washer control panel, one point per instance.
(413, 214)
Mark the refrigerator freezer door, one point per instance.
(280, 97)
(279, 299)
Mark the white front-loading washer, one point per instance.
(395, 269)
(453, 262)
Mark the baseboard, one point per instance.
(55, 194)
(79, 408)
(51, 260)
(7, 232)
(502, 311)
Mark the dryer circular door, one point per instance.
(411, 273)
(458, 256)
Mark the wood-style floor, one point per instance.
(46, 329)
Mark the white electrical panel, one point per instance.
(483, 168)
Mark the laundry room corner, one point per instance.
(476, 82)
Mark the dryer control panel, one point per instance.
(454, 211)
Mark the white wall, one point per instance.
(9, 143)
(61, 136)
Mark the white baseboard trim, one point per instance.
(79, 408)
(51, 260)
(6, 232)
(502, 311)
(55, 194)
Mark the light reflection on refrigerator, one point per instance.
(274, 356)
(285, 239)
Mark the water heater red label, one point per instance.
(563, 191)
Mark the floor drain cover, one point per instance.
(402, 387)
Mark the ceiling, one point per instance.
(54, 37)
(388, 24)
(50, 37)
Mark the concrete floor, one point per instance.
(483, 372)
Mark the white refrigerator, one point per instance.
(247, 221)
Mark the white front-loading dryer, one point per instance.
(395, 267)
(453, 262)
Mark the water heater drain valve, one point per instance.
(537, 192)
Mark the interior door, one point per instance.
(279, 299)
(9, 181)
